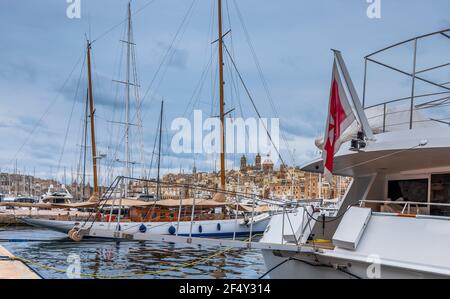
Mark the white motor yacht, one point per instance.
(394, 220)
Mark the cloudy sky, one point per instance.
(43, 72)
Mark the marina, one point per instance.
(169, 159)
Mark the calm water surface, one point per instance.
(130, 258)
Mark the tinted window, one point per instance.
(408, 190)
(440, 193)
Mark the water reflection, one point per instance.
(101, 257)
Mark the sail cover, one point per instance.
(340, 117)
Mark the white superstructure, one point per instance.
(394, 220)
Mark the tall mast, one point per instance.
(127, 102)
(222, 112)
(83, 180)
(158, 187)
(92, 111)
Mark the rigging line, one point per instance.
(206, 188)
(261, 75)
(85, 133)
(234, 88)
(253, 104)
(80, 158)
(114, 152)
(198, 89)
(172, 52)
(70, 116)
(37, 125)
(236, 81)
(169, 50)
(187, 264)
(340, 269)
(153, 154)
(379, 158)
(168, 53)
(123, 21)
(139, 117)
(119, 60)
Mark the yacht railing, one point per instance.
(417, 75)
(406, 204)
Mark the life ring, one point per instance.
(142, 228)
(172, 230)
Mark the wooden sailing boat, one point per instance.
(186, 217)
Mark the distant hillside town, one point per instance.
(259, 178)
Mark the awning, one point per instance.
(78, 205)
(126, 202)
(248, 209)
(189, 202)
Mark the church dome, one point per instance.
(267, 161)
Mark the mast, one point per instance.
(92, 111)
(222, 112)
(127, 103)
(83, 184)
(158, 187)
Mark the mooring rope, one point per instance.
(106, 276)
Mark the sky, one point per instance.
(43, 72)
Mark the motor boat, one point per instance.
(394, 219)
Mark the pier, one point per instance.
(14, 269)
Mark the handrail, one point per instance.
(407, 205)
(406, 202)
(413, 75)
(410, 40)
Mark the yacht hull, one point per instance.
(205, 228)
(313, 266)
(389, 246)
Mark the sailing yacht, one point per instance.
(394, 220)
(184, 217)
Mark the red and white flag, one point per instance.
(340, 117)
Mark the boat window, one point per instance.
(408, 190)
(440, 193)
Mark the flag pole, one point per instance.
(363, 121)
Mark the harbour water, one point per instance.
(130, 259)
